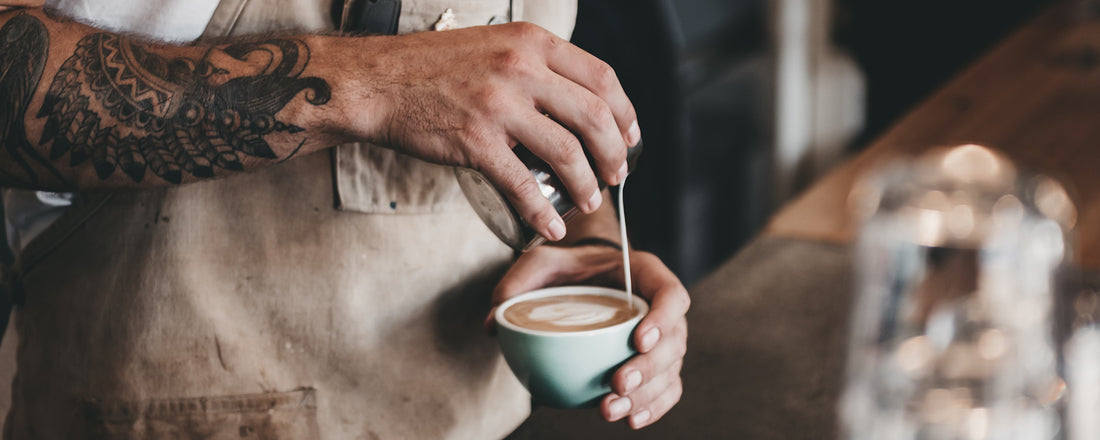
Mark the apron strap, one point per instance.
(7, 261)
(225, 18)
(371, 17)
(12, 266)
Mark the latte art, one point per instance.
(565, 313)
(572, 314)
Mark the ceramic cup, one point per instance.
(567, 369)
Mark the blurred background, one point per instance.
(744, 102)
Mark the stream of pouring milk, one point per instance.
(626, 246)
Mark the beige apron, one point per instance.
(248, 307)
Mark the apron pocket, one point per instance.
(281, 415)
(375, 180)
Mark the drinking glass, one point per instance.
(951, 334)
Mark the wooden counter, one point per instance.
(1036, 97)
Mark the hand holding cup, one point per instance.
(648, 385)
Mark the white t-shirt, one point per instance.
(166, 20)
(30, 212)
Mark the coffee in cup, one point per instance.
(570, 313)
(563, 343)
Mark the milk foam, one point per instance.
(572, 314)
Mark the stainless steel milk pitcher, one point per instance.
(502, 219)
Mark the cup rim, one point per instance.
(570, 290)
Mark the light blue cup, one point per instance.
(567, 369)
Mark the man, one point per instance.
(201, 283)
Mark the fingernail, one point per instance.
(650, 339)
(594, 201)
(639, 418)
(633, 134)
(557, 229)
(621, 176)
(619, 407)
(633, 379)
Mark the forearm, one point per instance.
(16, 4)
(81, 108)
(85, 109)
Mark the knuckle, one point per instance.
(599, 114)
(525, 30)
(677, 391)
(553, 41)
(521, 185)
(477, 137)
(685, 301)
(567, 149)
(681, 349)
(605, 77)
(511, 61)
(527, 191)
(543, 216)
(492, 101)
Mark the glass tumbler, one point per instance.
(951, 334)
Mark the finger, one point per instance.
(641, 369)
(597, 76)
(549, 265)
(590, 117)
(561, 149)
(653, 278)
(515, 181)
(657, 324)
(658, 407)
(669, 300)
(616, 406)
(530, 272)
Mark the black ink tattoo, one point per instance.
(24, 44)
(170, 116)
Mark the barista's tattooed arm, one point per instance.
(83, 108)
(169, 116)
(120, 112)
(23, 49)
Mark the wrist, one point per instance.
(357, 109)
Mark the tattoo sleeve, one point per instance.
(23, 49)
(123, 107)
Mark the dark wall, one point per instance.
(681, 62)
(636, 38)
(908, 49)
(700, 75)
